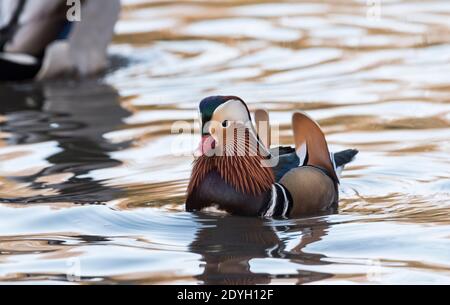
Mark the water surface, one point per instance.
(91, 191)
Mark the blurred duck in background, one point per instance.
(49, 38)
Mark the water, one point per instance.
(90, 191)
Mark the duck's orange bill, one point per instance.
(206, 144)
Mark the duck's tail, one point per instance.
(343, 157)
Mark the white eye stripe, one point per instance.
(232, 110)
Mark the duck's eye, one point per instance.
(225, 123)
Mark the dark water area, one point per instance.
(92, 186)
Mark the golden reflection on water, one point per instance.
(358, 75)
(380, 85)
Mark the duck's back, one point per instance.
(284, 159)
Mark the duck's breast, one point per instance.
(214, 191)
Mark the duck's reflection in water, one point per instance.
(229, 244)
(75, 116)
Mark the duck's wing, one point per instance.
(32, 33)
(288, 159)
(284, 159)
(311, 145)
(263, 129)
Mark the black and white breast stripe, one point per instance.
(279, 204)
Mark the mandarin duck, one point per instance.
(237, 171)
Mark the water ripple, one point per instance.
(90, 192)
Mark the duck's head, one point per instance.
(218, 113)
(231, 147)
